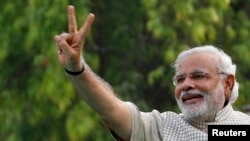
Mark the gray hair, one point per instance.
(225, 64)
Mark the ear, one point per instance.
(228, 85)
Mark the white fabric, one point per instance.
(170, 126)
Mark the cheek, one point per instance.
(177, 92)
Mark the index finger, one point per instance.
(72, 25)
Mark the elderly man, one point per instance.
(205, 89)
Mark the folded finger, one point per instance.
(62, 45)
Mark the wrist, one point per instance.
(76, 72)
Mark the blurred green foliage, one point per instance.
(131, 45)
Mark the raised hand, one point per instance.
(70, 45)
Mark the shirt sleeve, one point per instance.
(146, 126)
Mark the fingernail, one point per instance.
(57, 38)
(59, 51)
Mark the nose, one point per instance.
(187, 84)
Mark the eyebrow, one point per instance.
(198, 70)
(193, 71)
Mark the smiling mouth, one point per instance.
(191, 98)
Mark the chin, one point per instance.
(194, 110)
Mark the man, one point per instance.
(205, 90)
(246, 109)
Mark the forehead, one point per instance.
(202, 60)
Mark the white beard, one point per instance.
(206, 111)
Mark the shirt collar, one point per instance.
(220, 116)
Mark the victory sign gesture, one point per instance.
(70, 45)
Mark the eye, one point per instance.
(199, 76)
(180, 79)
